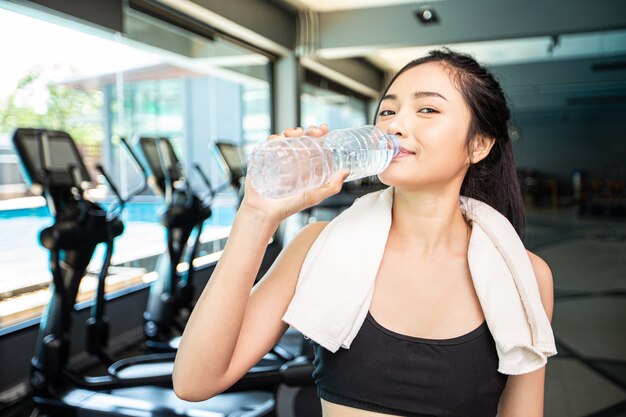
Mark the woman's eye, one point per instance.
(427, 110)
(386, 113)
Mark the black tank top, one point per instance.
(391, 373)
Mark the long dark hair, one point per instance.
(493, 180)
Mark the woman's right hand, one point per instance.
(276, 210)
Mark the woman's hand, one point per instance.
(279, 209)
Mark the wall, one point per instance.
(556, 142)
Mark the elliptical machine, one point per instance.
(171, 294)
(231, 156)
(138, 386)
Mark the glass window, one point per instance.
(324, 101)
(155, 80)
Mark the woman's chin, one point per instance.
(394, 174)
(391, 180)
(384, 179)
(401, 180)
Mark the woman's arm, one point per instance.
(523, 395)
(231, 327)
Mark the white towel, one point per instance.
(336, 282)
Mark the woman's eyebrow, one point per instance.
(420, 94)
(417, 94)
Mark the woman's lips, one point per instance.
(404, 153)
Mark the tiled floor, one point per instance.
(588, 262)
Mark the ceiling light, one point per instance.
(555, 41)
(427, 15)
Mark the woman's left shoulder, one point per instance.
(539, 265)
(543, 274)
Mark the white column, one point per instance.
(287, 79)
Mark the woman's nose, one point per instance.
(397, 128)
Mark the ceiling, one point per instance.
(334, 5)
(518, 49)
(549, 54)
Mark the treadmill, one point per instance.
(141, 386)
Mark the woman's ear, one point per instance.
(481, 146)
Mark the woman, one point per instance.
(450, 116)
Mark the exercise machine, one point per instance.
(171, 294)
(138, 386)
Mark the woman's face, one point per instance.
(424, 109)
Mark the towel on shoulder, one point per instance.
(336, 282)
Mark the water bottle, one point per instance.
(283, 167)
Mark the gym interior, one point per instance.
(125, 127)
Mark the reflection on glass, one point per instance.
(339, 110)
(155, 80)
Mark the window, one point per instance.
(324, 101)
(155, 80)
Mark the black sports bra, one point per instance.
(391, 373)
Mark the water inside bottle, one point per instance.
(282, 168)
(289, 170)
(362, 163)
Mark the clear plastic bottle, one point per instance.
(283, 167)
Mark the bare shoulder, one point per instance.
(538, 263)
(543, 273)
(545, 282)
(307, 235)
(314, 229)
